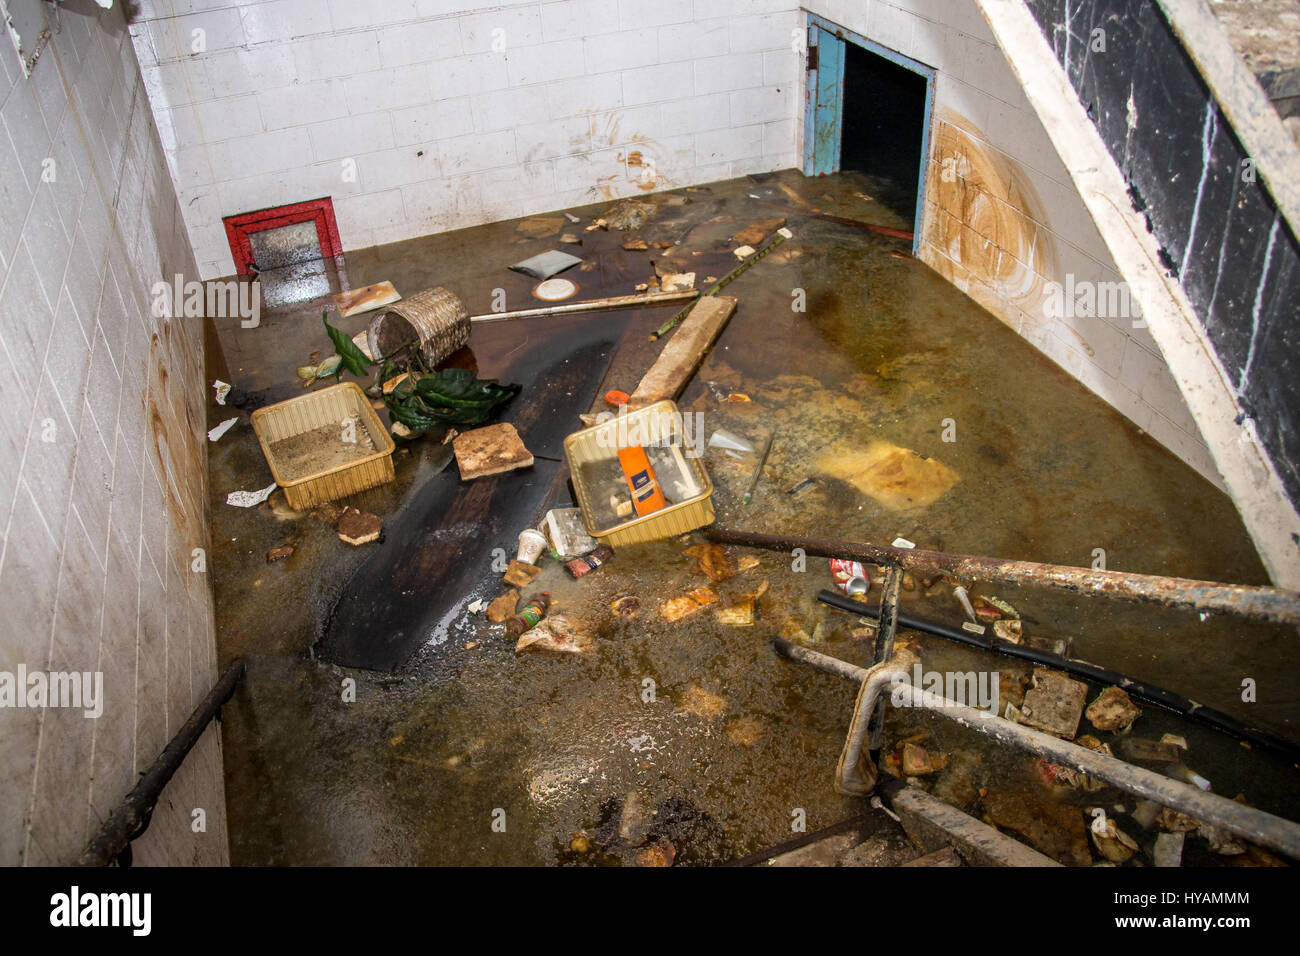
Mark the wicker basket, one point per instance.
(329, 406)
(434, 317)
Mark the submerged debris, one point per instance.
(557, 633)
(679, 607)
(503, 607)
(1054, 704)
(703, 704)
(1112, 710)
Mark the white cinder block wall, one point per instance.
(103, 471)
(419, 116)
(1006, 220)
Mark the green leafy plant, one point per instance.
(353, 359)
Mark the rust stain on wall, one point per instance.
(986, 222)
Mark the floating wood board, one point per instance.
(684, 351)
(356, 301)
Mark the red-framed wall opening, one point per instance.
(319, 211)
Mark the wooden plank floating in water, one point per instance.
(684, 352)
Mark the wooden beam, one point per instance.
(684, 351)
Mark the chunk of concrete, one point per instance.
(492, 450)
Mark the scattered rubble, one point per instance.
(1112, 710)
(557, 633)
(520, 574)
(491, 450)
(359, 527)
(503, 607)
(677, 608)
(1054, 703)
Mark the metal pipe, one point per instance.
(1265, 829)
(132, 815)
(1260, 603)
(590, 305)
(1175, 703)
(887, 627)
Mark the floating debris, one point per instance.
(215, 433)
(1113, 711)
(358, 527)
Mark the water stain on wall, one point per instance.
(984, 223)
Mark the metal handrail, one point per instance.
(858, 771)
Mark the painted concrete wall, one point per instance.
(1002, 219)
(419, 116)
(103, 470)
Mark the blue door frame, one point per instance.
(823, 120)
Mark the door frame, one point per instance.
(812, 166)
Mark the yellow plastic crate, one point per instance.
(329, 407)
(660, 421)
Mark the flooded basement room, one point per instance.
(592, 434)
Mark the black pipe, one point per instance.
(1170, 701)
(131, 818)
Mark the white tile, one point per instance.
(505, 109)
(737, 71)
(351, 135)
(569, 19)
(546, 61)
(501, 31)
(264, 153)
(728, 145)
(345, 54)
(284, 20)
(654, 84)
(397, 167)
(386, 90)
(369, 210)
(417, 43)
(302, 105)
(620, 51)
(631, 125)
(433, 121)
(775, 31)
(700, 113)
(562, 137)
(694, 39)
(762, 105)
(464, 76)
(590, 94)
(636, 13)
(354, 14)
(466, 154)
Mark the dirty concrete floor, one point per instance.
(417, 766)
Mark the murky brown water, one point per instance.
(419, 767)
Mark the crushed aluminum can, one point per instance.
(850, 576)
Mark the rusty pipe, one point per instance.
(1261, 603)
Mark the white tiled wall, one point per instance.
(980, 109)
(457, 113)
(102, 457)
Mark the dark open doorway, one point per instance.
(884, 118)
(867, 111)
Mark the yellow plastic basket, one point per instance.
(660, 421)
(329, 407)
